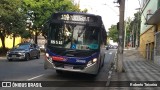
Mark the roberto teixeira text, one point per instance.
(21, 84)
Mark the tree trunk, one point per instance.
(36, 35)
(13, 40)
(3, 42)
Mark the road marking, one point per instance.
(35, 77)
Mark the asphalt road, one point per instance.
(33, 70)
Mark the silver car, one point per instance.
(23, 51)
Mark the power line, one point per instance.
(141, 10)
(111, 8)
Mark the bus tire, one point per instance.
(103, 61)
(93, 75)
(59, 71)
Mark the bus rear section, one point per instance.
(74, 43)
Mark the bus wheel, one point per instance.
(59, 71)
(93, 75)
(103, 61)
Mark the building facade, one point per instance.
(150, 30)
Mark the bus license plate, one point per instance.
(68, 67)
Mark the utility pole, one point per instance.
(120, 67)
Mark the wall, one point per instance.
(159, 27)
(9, 41)
(152, 6)
(156, 56)
(146, 38)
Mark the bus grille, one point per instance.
(60, 64)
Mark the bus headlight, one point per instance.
(47, 55)
(92, 62)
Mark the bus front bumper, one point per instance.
(90, 69)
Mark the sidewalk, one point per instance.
(137, 69)
(2, 57)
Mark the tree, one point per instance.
(42, 10)
(127, 31)
(134, 29)
(113, 33)
(85, 10)
(11, 19)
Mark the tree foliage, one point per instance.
(14, 14)
(12, 20)
(131, 27)
(42, 10)
(113, 33)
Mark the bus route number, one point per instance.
(74, 17)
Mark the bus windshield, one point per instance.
(71, 36)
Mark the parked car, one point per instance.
(107, 47)
(24, 51)
(115, 46)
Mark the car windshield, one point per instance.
(74, 36)
(22, 46)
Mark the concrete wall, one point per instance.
(150, 7)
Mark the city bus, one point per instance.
(75, 43)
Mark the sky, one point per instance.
(109, 10)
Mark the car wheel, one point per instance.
(27, 57)
(38, 56)
(9, 59)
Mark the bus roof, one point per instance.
(94, 20)
(77, 13)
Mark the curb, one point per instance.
(113, 66)
(2, 58)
